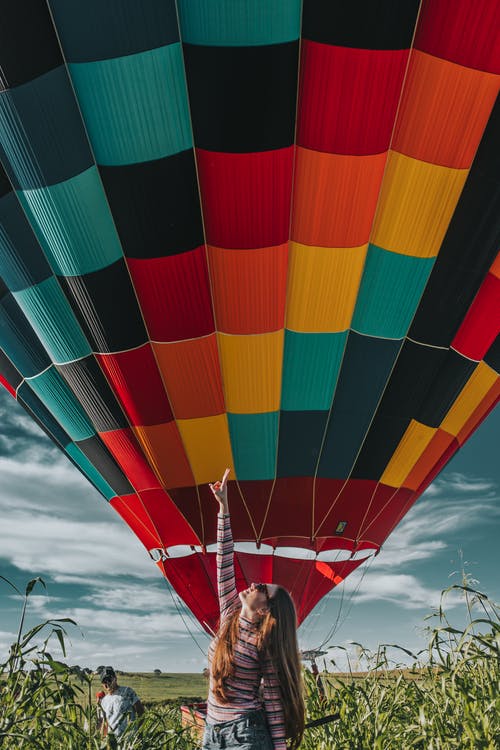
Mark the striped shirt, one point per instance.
(243, 686)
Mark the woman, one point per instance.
(255, 697)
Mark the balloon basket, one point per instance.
(194, 715)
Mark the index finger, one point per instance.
(224, 478)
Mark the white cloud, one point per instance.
(128, 597)
(32, 483)
(78, 580)
(406, 591)
(13, 416)
(42, 543)
(126, 640)
(457, 482)
(120, 624)
(56, 474)
(40, 601)
(395, 553)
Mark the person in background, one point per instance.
(118, 705)
(255, 698)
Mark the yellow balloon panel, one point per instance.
(251, 371)
(208, 446)
(417, 201)
(477, 416)
(413, 443)
(323, 285)
(481, 381)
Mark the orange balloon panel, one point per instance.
(438, 445)
(335, 197)
(164, 450)
(443, 111)
(249, 288)
(495, 268)
(192, 377)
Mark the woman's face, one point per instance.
(257, 595)
(110, 685)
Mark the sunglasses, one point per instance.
(262, 587)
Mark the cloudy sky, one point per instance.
(53, 524)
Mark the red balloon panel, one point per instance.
(246, 197)
(171, 526)
(123, 446)
(482, 323)
(465, 32)
(135, 378)
(348, 98)
(194, 579)
(389, 513)
(174, 294)
(290, 508)
(133, 512)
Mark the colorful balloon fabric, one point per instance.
(252, 233)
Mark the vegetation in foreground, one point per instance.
(448, 699)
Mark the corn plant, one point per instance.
(40, 704)
(448, 699)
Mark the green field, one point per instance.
(156, 689)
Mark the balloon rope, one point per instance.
(179, 612)
(319, 611)
(391, 498)
(339, 620)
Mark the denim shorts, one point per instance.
(249, 732)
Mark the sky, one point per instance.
(53, 524)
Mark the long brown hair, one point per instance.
(277, 640)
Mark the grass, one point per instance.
(156, 689)
(449, 699)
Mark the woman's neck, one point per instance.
(249, 614)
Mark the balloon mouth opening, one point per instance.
(159, 554)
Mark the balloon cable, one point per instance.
(338, 621)
(181, 615)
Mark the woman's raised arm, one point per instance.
(226, 582)
(220, 493)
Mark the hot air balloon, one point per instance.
(252, 233)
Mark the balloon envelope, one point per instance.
(252, 234)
